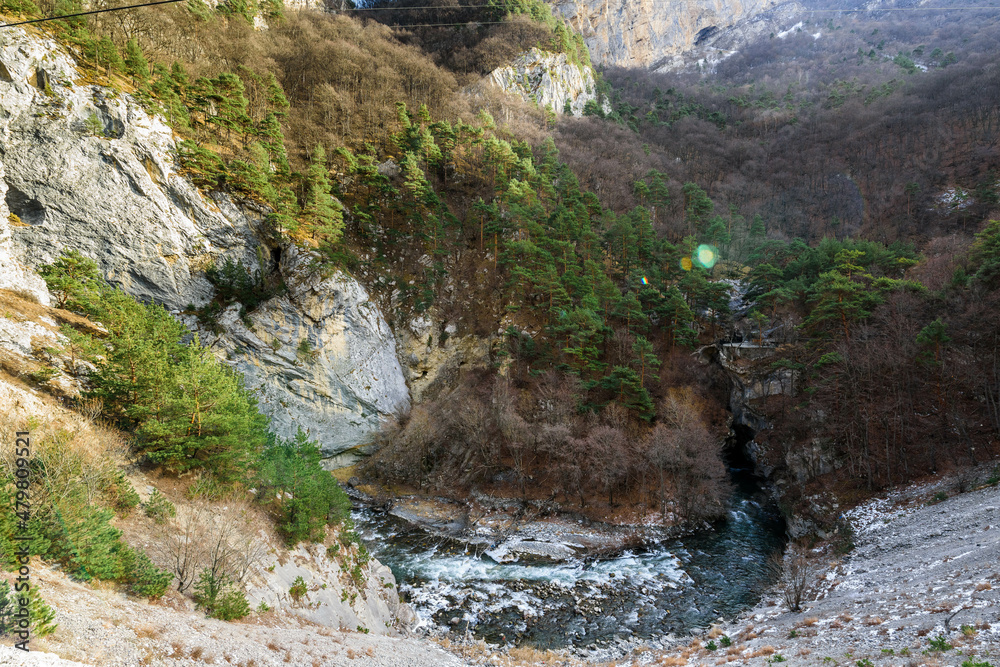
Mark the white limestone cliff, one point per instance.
(547, 79)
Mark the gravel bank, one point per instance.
(924, 575)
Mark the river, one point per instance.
(668, 586)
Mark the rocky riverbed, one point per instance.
(920, 587)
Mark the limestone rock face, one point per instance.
(642, 33)
(434, 356)
(87, 168)
(320, 357)
(547, 79)
(372, 603)
(14, 275)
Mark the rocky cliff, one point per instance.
(320, 357)
(645, 33)
(87, 168)
(546, 79)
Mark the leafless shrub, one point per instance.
(224, 542)
(796, 574)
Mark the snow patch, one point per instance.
(786, 33)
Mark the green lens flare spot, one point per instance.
(706, 256)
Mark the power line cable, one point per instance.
(95, 11)
(462, 23)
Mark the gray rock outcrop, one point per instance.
(643, 33)
(545, 79)
(87, 168)
(14, 275)
(319, 357)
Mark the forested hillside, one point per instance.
(844, 171)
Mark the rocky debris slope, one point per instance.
(343, 592)
(319, 357)
(548, 80)
(642, 33)
(104, 628)
(923, 576)
(87, 168)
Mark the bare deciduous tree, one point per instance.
(796, 574)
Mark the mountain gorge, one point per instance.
(544, 285)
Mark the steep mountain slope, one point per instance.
(87, 168)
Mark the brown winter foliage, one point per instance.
(821, 137)
(530, 440)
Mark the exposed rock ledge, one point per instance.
(545, 79)
(320, 357)
(641, 33)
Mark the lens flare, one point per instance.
(686, 263)
(644, 281)
(707, 256)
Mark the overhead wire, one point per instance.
(883, 9)
(461, 7)
(88, 13)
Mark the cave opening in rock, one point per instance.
(736, 453)
(704, 34)
(28, 209)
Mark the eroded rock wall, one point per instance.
(319, 357)
(644, 33)
(547, 79)
(88, 169)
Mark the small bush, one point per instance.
(972, 662)
(121, 494)
(42, 617)
(299, 589)
(235, 282)
(94, 126)
(940, 643)
(142, 577)
(219, 596)
(232, 606)
(725, 641)
(159, 508)
(795, 575)
(711, 646)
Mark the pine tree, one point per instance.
(74, 280)
(320, 212)
(680, 319)
(136, 64)
(697, 206)
(627, 384)
(205, 419)
(839, 301)
(644, 357)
